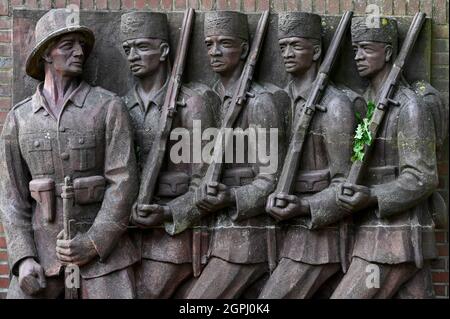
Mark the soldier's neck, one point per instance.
(57, 89)
(149, 85)
(228, 80)
(377, 81)
(303, 81)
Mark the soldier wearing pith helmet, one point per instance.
(67, 129)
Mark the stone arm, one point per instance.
(15, 200)
(120, 172)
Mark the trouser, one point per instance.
(116, 285)
(296, 280)
(370, 280)
(222, 279)
(158, 279)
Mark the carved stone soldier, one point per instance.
(67, 128)
(310, 256)
(238, 248)
(395, 230)
(166, 260)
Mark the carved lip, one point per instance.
(135, 67)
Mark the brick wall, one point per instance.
(437, 9)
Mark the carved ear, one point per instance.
(245, 50)
(165, 49)
(388, 52)
(46, 57)
(317, 52)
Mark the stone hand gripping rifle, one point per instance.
(238, 101)
(384, 99)
(301, 127)
(68, 198)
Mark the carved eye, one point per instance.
(127, 50)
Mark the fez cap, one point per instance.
(230, 23)
(53, 24)
(136, 24)
(385, 31)
(299, 24)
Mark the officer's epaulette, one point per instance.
(22, 102)
(407, 92)
(189, 90)
(101, 90)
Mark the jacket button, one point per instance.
(64, 156)
(37, 144)
(81, 141)
(62, 129)
(45, 113)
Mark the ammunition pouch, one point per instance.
(439, 212)
(172, 184)
(312, 181)
(43, 192)
(238, 176)
(89, 190)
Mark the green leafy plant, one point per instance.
(362, 134)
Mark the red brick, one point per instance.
(5, 36)
(387, 7)
(127, 4)
(45, 4)
(5, 23)
(206, 4)
(292, 5)
(5, 76)
(101, 4)
(180, 4)
(442, 250)
(1, 228)
(278, 6)
(3, 256)
(193, 4)
(114, 4)
(87, 4)
(441, 236)
(399, 7)
(4, 283)
(438, 264)
(166, 4)
(263, 5)
(319, 6)
(333, 7)
(4, 269)
(413, 7)
(31, 4)
(4, 7)
(234, 4)
(439, 290)
(153, 4)
(5, 50)
(360, 6)
(249, 5)
(60, 3)
(439, 59)
(443, 167)
(221, 4)
(16, 3)
(440, 277)
(440, 11)
(307, 6)
(74, 2)
(3, 115)
(440, 31)
(139, 4)
(5, 104)
(346, 5)
(2, 242)
(427, 7)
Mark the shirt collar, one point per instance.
(157, 99)
(220, 90)
(77, 97)
(296, 94)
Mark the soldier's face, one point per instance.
(225, 53)
(298, 54)
(371, 57)
(67, 55)
(145, 55)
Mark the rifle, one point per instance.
(385, 98)
(68, 197)
(291, 162)
(156, 156)
(238, 101)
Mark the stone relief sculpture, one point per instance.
(67, 129)
(89, 180)
(166, 260)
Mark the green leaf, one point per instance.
(362, 133)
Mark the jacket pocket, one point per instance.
(40, 158)
(82, 152)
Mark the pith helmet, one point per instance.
(51, 25)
